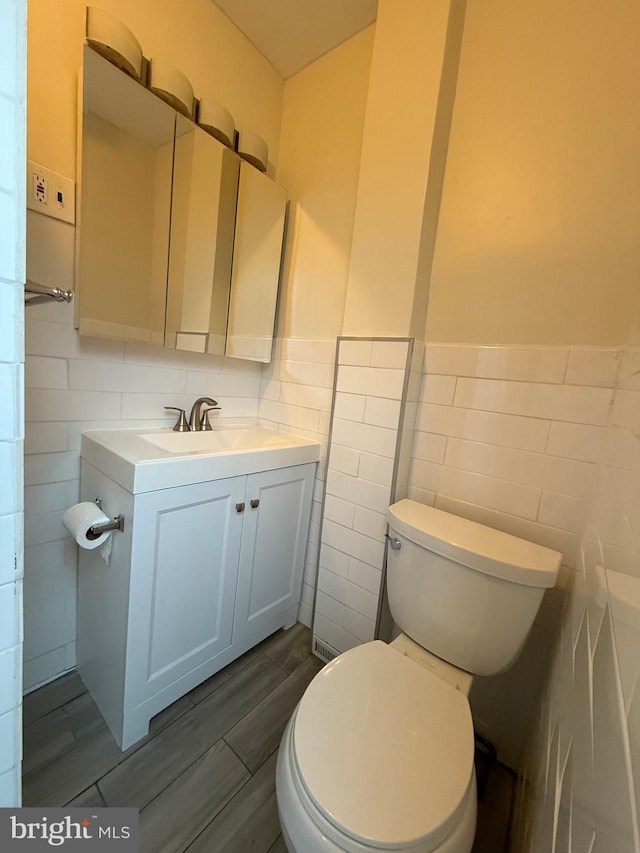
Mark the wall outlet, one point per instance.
(50, 193)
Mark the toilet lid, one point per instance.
(384, 748)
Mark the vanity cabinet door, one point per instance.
(185, 550)
(276, 524)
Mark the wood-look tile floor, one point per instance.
(204, 777)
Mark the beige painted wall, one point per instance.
(538, 232)
(321, 139)
(196, 37)
(403, 98)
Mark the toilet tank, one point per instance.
(464, 591)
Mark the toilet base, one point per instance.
(305, 830)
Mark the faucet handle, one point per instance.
(204, 421)
(181, 424)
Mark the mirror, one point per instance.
(257, 253)
(205, 184)
(125, 205)
(179, 242)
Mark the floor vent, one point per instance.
(324, 651)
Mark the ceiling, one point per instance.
(292, 33)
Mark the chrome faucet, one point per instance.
(199, 420)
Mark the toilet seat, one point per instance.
(384, 750)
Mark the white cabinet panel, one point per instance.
(185, 581)
(273, 545)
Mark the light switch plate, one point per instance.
(50, 193)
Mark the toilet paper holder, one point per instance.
(96, 530)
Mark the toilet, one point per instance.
(378, 755)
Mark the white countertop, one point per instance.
(135, 459)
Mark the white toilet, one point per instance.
(378, 755)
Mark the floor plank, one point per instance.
(289, 648)
(249, 821)
(255, 737)
(207, 687)
(494, 812)
(74, 766)
(278, 846)
(45, 739)
(171, 821)
(82, 716)
(73, 771)
(91, 798)
(54, 695)
(169, 753)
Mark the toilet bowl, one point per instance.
(378, 754)
(402, 739)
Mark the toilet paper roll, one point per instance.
(79, 518)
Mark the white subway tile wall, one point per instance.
(295, 397)
(513, 435)
(12, 271)
(370, 384)
(581, 779)
(509, 436)
(74, 384)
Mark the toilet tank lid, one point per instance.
(475, 545)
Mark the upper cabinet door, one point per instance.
(257, 253)
(205, 184)
(126, 152)
(179, 242)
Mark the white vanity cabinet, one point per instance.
(201, 574)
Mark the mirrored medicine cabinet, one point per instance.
(179, 241)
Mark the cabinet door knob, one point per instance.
(240, 507)
(255, 503)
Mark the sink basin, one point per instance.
(226, 440)
(143, 460)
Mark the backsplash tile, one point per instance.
(492, 427)
(575, 441)
(372, 381)
(355, 352)
(380, 441)
(507, 446)
(520, 466)
(511, 441)
(593, 366)
(11, 340)
(537, 364)
(516, 498)
(12, 263)
(633, 727)
(611, 757)
(296, 390)
(595, 696)
(370, 385)
(535, 399)
(389, 354)
(438, 389)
